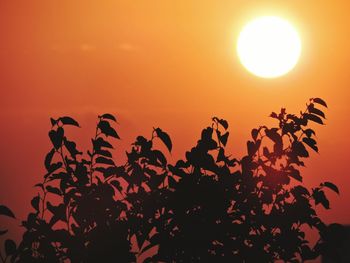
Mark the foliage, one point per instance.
(207, 207)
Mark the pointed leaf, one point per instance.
(223, 138)
(255, 134)
(314, 118)
(56, 137)
(309, 132)
(53, 190)
(104, 160)
(53, 122)
(317, 112)
(320, 101)
(69, 121)
(48, 159)
(311, 143)
(106, 129)
(100, 142)
(223, 123)
(320, 198)
(108, 117)
(172, 182)
(331, 186)
(165, 138)
(5, 211)
(35, 202)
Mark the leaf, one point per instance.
(160, 156)
(69, 121)
(35, 202)
(53, 122)
(172, 182)
(221, 155)
(320, 198)
(223, 123)
(274, 115)
(314, 118)
(40, 185)
(48, 159)
(10, 247)
(117, 185)
(309, 132)
(5, 211)
(295, 174)
(100, 142)
(104, 153)
(320, 101)
(71, 147)
(299, 149)
(223, 138)
(165, 138)
(255, 134)
(300, 191)
(104, 160)
(108, 117)
(56, 137)
(317, 112)
(53, 190)
(53, 168)
(106, 129)
(311, 143)
(331, 186)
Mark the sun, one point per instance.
(269, 47)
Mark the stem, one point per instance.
(92, 155)
(43, 205)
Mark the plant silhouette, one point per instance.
(208, 207)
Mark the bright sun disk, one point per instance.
(269, 47)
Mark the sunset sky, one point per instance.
(168, 64)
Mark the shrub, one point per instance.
(208, 207)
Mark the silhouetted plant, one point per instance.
(209, 207)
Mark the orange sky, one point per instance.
(163, 63)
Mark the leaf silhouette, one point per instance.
(320, 101)
(69, 121)
(5, 211)
(311, 143)
(35, 203)
(108, 116)
(100, 142)
(317, 112)
(255, 134)
(104, 160)
(53, 122)
(57, 137)
(331, 186)
(320, 197)
(314, 118)
(309, 132)
(106, 129)
(53, 190)
(165, 138)
(48, 159)
(224, 137)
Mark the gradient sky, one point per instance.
(170, 64)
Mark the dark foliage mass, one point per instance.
(208, 207)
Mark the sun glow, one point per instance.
(269, 47)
